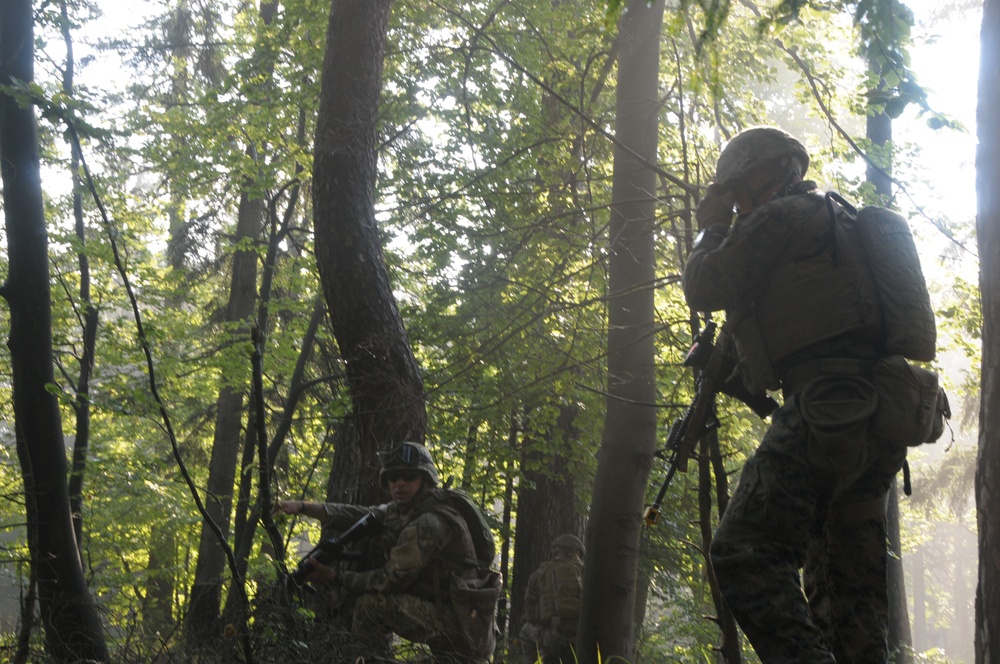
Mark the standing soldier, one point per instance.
(552, 604)
(804, 314)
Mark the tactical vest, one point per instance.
(822, 289)
(559, 591)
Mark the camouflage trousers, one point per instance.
(414, 619)
(787, 515)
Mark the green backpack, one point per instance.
(894, 264)
(479, 527)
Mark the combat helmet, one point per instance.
(406, 456)
(755, 148)
(569, 541)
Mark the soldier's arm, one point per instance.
(341, 516)
(724, 268)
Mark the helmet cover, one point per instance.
(408, 456)
(756, 148)
(569, 541)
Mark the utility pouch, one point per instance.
(837, 410)
(753, 363)
(912, 405)
(475, 604)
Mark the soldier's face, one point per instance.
(404, 486)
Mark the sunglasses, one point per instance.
(405, 475)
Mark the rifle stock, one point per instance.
(335, 548)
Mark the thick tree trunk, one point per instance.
(629, 438)
(382, 373)
(987, 226)
(73, 630)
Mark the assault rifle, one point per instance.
(711, 357)
(335, 548)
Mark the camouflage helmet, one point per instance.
(407, 456)
(755, 148)
(571, 542)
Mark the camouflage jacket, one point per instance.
(769, 271)
(726, 268)
(420, 546)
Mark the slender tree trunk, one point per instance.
(987, 225)
(206, 592)
(382, 373)
(544, 511)
(879, 132)
(729, 647)
(73, 630)
(81, 397)
(629, 438)
(919, 569)
(878, 129)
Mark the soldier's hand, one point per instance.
(716, 207)
(289, 507)
(321, 574)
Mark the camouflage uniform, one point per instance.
(552, 608)
(409, 595)
(790, 512)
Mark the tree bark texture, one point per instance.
(73, 630)
(385, 383)
(629, 438)
(987, 639)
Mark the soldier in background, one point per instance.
(552, 604)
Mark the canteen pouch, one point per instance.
(838, 410)
(475, 604)
(912, 405)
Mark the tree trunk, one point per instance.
(629, 438)
(89, 320)
(206, 591)
(900, 635)
(918, 575)
(879, 132)
(382, 373)
(546, 510)
(713, 465)
(73, 630)
(987, 225)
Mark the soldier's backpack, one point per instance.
(473, 598)
(479, 527)
(561, 587)
(908, 319)
(912, 405)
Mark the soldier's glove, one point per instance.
(716, 207)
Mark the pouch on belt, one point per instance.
(838, 410)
